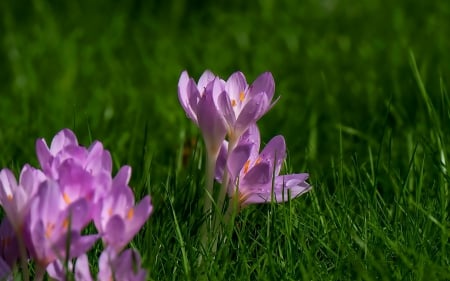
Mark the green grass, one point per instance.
(364, 109)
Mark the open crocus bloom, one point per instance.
(253, 176)
(242, 105)
(53, 223)
(15, 197)
(116, 217)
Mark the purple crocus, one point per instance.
(242, 105)
(80, 172)
(254, 177)
(52, 224)
(116, 217)
(112, 266)
(15, 197)
(200, 104)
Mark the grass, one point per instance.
(364, 109)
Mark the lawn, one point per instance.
(364, 108)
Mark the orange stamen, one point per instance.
(246, 166)
(66, 198)
(233, 103)
(130, 213)
(241, 96)
(49, 230)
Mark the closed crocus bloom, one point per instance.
(116, 217)
(52, 223)
(80, 172)
(64, 146)
(254, 177)
(15, 197)
(123, 266)
(200, 104)
(242, 105)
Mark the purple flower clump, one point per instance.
(47, 209)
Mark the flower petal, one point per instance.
(274, 153)
(186, 91)
(250, 113)
(221, 161)
(62, 139)
(257, 177)
(205, 79)
(226, 109)
(114, 235)
(294, 184)
(237, 159)
(236, 85)
(82, 272)
(263, 84)
(210, 122)
(251, 136)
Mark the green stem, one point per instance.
(219, 218)
(209, 190)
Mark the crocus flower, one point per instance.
(200, 104)
(65, 146)
(254, 177)
(242, 105)
(15, 197)
(116, 217)
(81, 172)
(52, 224)
(112, 266)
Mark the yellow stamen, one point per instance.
(9, 197)
(66, 198)
(233, 102)
(241, 96)
(130, 213)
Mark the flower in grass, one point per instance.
(199, 103)
(242, 105)
(253, 176)
(221, 108)
(116, 218)
(81, 172)
(54, 228)
(15, 197)
(112, 266)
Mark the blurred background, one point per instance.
(109, 71)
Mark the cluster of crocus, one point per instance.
(47, 210)
(226, 113)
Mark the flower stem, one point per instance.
(40, 272)
(225, 179)
(209, 197)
